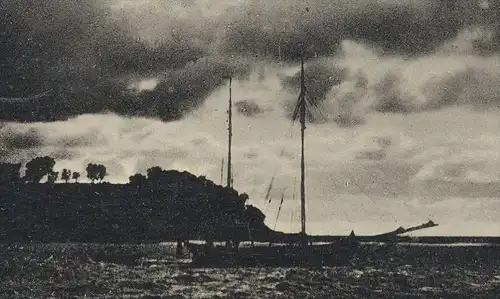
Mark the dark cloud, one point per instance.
(81, 54)
(372, 155)
(180, 91)
(320, 76)
(471, 86)
(11, 139)
(14, 141)
(91, 138)
(347, 120)
(377, 154)
(47, 43)
(405, 30)
(63, 154)
(248, 108)
(390, 96)
(402, 28)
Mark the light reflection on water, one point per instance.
(457, 244)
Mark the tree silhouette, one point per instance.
(253, 215)
(91, 172)
(101, 171)
(137, 179)
(75, 176)
(96, 172)
(66, 175)
(52, 177)
(38, 167)
(155, 173)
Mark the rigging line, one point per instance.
(320, 110)
(279, 210)
(268, 193)
(311, 107)
(296, 110)
(325, 114)
(268, 197)
(266, 207)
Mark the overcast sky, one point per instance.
(407, 129)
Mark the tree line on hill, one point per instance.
(161, 205)
(40, 167)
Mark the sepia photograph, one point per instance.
(249, 149)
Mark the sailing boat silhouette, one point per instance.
(280, 254)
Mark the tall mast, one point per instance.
(230, 135)
(302, 107)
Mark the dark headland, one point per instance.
(161, 206)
